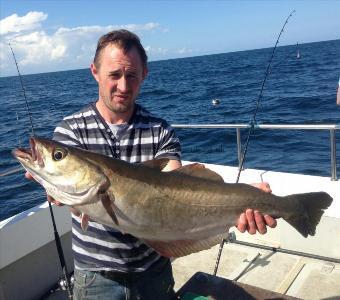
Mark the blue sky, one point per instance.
(61, 35)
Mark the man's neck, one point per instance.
(112, 117)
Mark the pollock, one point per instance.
(177, 213)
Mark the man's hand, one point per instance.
(29, 176)
(173, 164)
(253, 221)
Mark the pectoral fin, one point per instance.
(107, 203)
(84, 221)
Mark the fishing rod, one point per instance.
(56, 234)
(252, 125)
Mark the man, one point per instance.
(108, 263)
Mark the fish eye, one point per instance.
(59, 154)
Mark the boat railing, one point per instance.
(330, 127)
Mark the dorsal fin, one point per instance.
(156, 163)
(199, 170)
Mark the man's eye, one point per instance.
(114, 76)
(131, 76)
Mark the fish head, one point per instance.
(64, 171)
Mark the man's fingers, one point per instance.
(52, 200)
(264, 186)
(75, 211)
(270, 221)
(242, 223)
(251, 221)
(28, 175)
(260, 222)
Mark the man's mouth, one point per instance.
(121, 97)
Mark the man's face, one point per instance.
(119, 76)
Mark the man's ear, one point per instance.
(94, 71)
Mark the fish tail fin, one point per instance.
(311, 207)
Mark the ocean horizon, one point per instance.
(168, 59)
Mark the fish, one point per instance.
(176, 213)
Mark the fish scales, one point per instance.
(190, 199)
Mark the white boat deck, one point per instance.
(292, 275)
(26, 258)
(286, 274)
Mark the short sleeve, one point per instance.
(169, 145)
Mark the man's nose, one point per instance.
(122, 84)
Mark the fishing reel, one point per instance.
(63, 285)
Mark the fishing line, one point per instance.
(252, 125)
(23, 90)
(253, 120)
(56, 234)
(19, 139)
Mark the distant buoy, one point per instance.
(215, 101)
(298, 55)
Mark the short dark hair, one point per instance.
(125, 40)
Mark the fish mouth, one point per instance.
(31, 155)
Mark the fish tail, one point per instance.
(310, 207)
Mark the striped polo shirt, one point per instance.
(145, 137)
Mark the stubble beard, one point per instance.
(118, 108)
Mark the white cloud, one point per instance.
(184, 50)
(160, 53)
(58, 52)
(156, 50)
(14, 23)
(66, 48)
(145, 27)
(104, 29)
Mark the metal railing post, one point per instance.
(333, 155)
(239, 146)
(331, 127)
